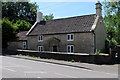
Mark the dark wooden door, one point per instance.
(54, 48)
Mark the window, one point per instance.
(24, 45)
(70, 37)
(40, 48)
(40, 38)
(70, 48)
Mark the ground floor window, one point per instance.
(70, 48)
(40, 48)
(24, 45)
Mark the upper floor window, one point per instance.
(70, 37)
(40, 38)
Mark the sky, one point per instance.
(66, 9)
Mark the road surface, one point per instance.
(23, 68)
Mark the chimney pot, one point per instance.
(99, 8)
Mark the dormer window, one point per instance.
(40, 38)
(70, 37)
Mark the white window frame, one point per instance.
(70, 48)
(40, 48)
(40, 38)
(70, 37)
(24, 45)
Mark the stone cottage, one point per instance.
(79, 34)
(20, 42)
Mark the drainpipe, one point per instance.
(94, 41)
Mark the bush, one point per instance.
(8, 32)
(97, 52)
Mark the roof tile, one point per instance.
(65, 25)
(22, 35)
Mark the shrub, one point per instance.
(97, 52)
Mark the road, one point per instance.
(23, 68)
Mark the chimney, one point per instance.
(99, 8)
(39, 17)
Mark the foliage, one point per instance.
(109, 44)
(97, 52)
(18, 16)
(8, 31)
(19, 10)
(22, 25)
(48, 17)
(112, 20)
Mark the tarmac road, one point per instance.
(23, 68)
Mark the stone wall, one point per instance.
(97, 59)
(100, 35)
(32, 42)
(15, 45)
(83, 42)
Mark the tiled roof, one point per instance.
(65, 25)
(22, 35)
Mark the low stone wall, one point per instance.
(97, 59)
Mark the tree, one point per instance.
(8, 32)
(22, 25)
(10, 29)
(19, 10)
(112, 20)
(48, 17)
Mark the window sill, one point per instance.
(70, 40)
(40, 41)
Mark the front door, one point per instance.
(54, 48)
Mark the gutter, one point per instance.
(94, 36)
